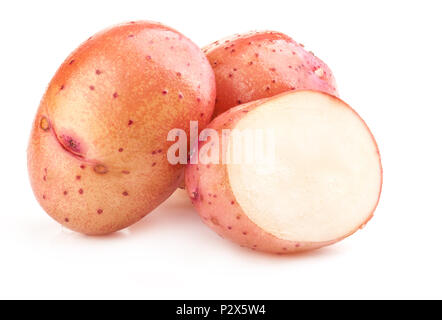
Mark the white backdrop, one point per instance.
(386, 57)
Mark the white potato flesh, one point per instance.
(326, 176)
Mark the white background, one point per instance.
(386, 56)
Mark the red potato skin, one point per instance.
(97, 152)
(259, 65)
(209, 190)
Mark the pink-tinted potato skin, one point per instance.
(97, 152)
(209, 190)
(258, 65)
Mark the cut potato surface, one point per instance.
(323, 184)
(325, 177)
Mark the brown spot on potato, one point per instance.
(44, 124)
(194, 195)
(70, 143)
(215, 221)
(100, 169)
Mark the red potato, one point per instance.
(97, 152)
(259, 65)
(324, 183)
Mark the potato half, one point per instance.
(323, 183)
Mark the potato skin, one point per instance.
(97, 152)
(209, 189)
(258, 65)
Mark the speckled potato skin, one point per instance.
(258, 65)
(97, 152)
(209, 189)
